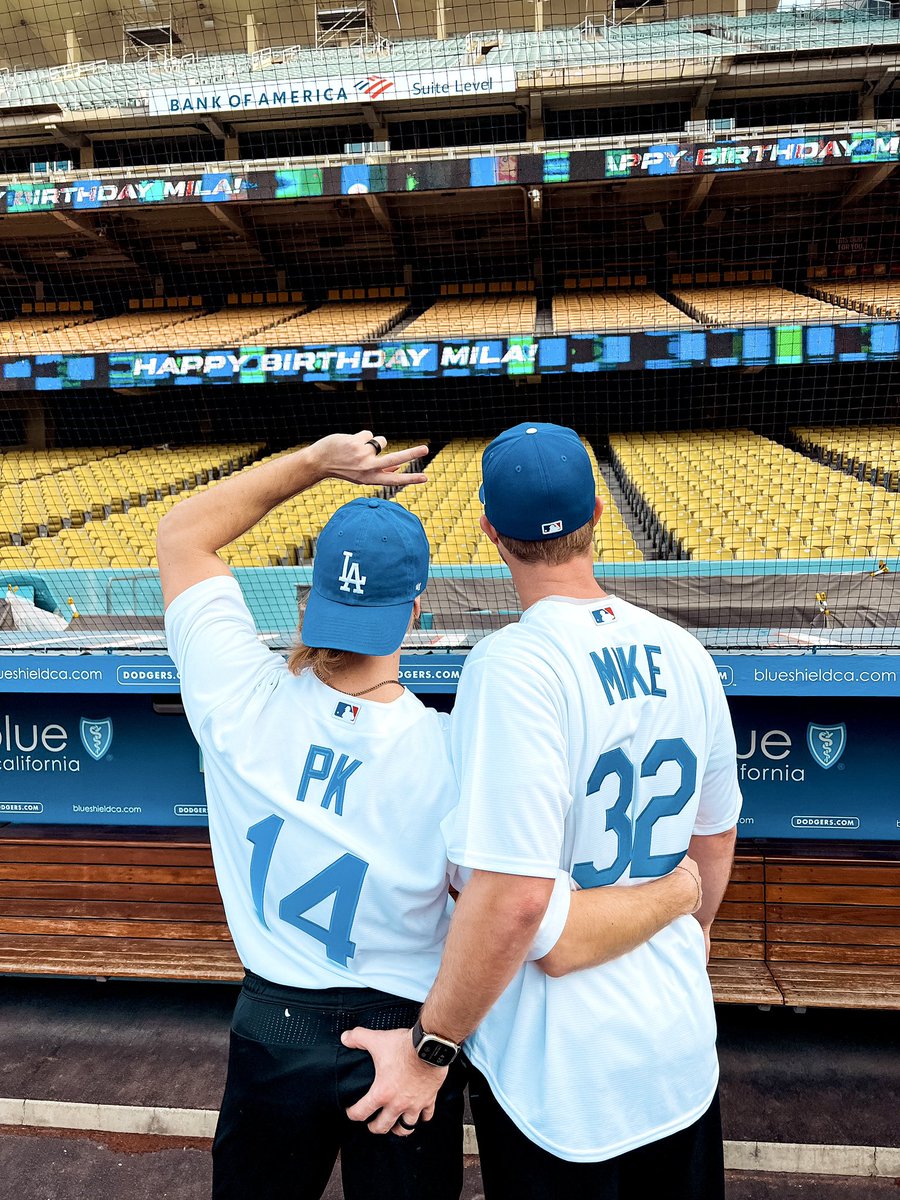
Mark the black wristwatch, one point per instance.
(436, 1051)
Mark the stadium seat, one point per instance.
(872, 297)
(870, 452)
(78, 514)
(761, 304)
(357, 321)
(613, 309)
(750, 495)
(476, 316)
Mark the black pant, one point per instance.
(684, 1166)
(290, 1080)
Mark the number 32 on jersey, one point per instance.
(634, 835)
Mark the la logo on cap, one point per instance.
(350, 575)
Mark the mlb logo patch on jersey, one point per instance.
(603, 615)
(551, 527)
(347, 712)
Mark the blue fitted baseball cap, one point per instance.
(371, 563)
(538, 483)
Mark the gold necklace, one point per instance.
(374, 687)
(365, 691)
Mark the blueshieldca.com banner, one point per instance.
(81, 741)
(97, 760)
(824, 768)
(832, 676)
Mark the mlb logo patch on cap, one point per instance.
(347, 712)
(603, 615)
(551, 527)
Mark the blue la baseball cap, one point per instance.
(538, 483)
(371, 563)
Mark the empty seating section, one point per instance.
(487, 313)
(227, 327)
(76, 335)
(103, 513)
(449, 508)
(121, 84)
(287, 535)
(17, 466)
(475, 316)
(30, 486)
(271, 325)
(613, 308)
(762, 304)
(21, 334)
(448, 504)
(735, 495)
(799, 30)
(345, 322)
(177, 330)
(870, 452)
(710, 495)
(873, 297)
(127, 499)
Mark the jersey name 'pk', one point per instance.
(320, 765)
(621, 675)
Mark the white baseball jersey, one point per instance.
(324, 810)
(595, 737)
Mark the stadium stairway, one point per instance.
(625, 507)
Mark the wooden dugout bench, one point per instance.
(114, 903)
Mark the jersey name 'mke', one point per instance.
(623, 676)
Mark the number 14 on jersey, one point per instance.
(343, 879)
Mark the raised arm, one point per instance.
(192, 532)
(607, 922)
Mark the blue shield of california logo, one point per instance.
(96, 736)
(826, 743)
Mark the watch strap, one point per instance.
(419, 1035)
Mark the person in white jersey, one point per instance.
(326, 787)
(327, 784)
(595, 737)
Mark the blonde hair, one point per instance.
(321, 660)
(556, 551)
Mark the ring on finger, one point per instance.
(407, 1124)
(375, 444)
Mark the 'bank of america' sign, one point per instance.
(334, 89)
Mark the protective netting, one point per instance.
(226, 232)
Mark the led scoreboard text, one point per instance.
(653, 350)
(391, 173)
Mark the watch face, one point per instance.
(436, 1052)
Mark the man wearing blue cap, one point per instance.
(591, 737)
